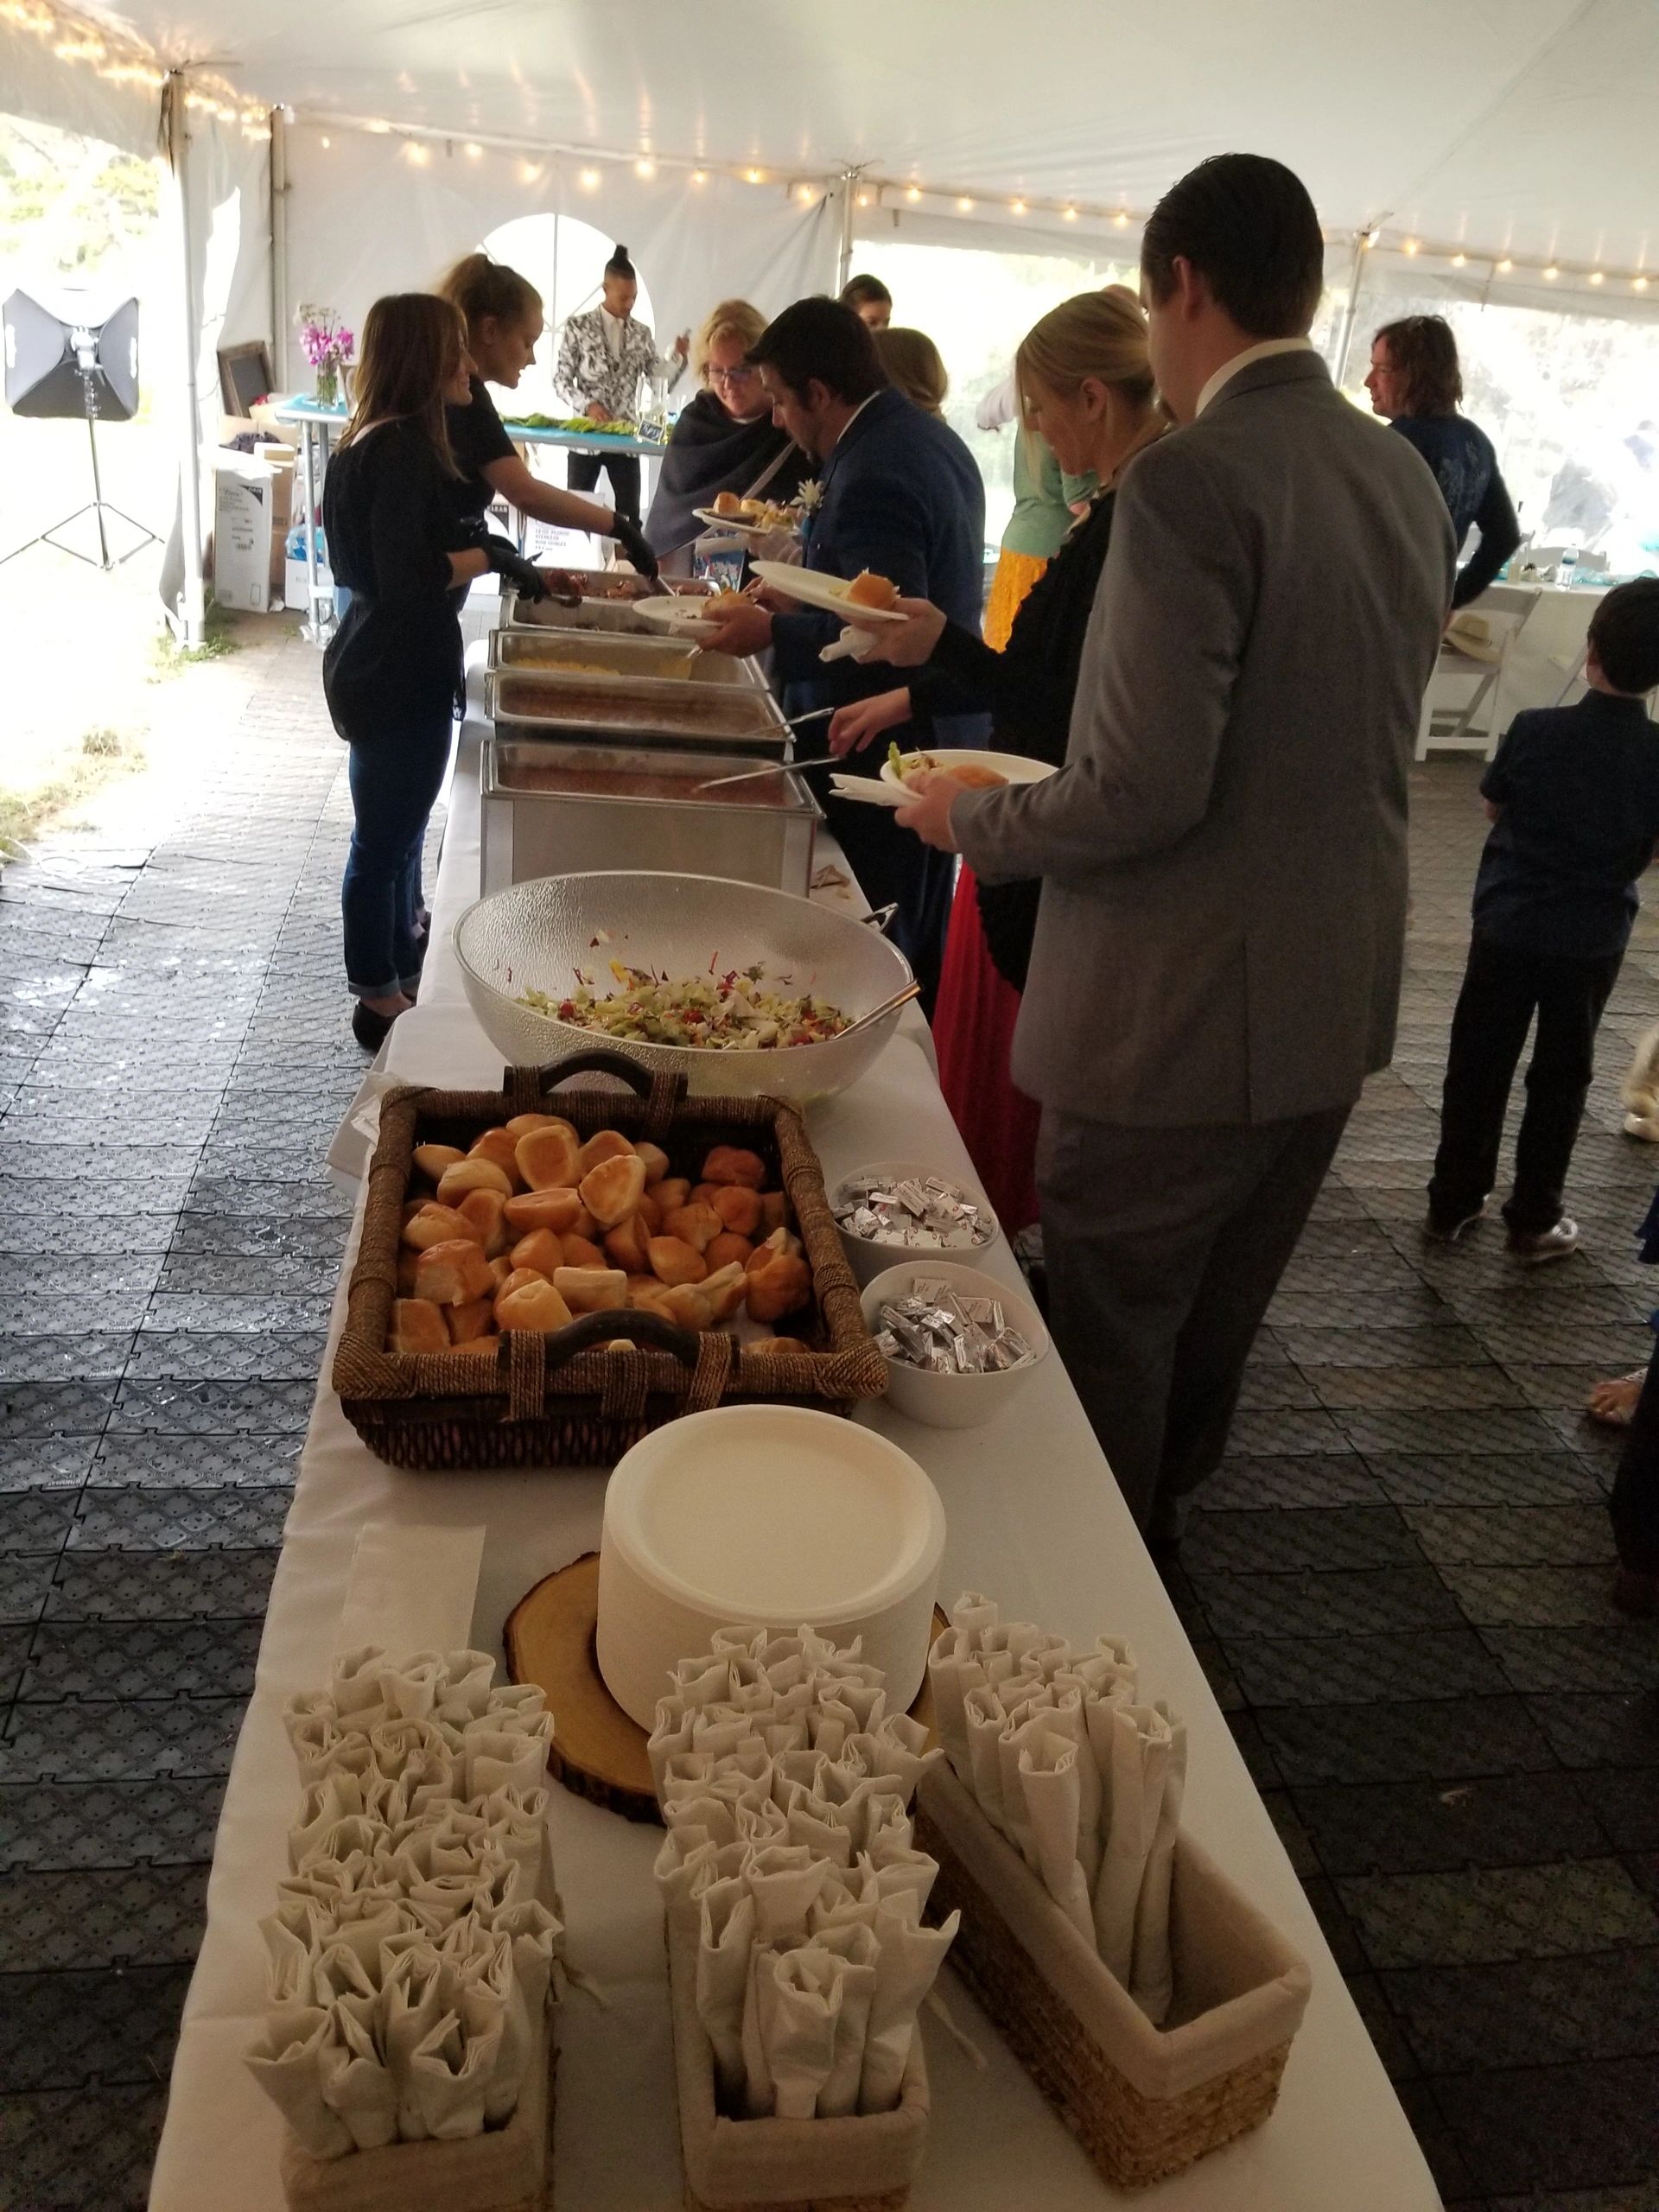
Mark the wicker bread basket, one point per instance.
(569, 1398)
(1144, 2101)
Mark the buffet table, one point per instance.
(316, 424)
(1033, 1519)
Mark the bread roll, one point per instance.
(583, 1224)
(655, 1161)
(703, 1194)
(522, 1124)
(581, 1252)
(533, 1304)
(774, 1211)
(738, 1208)
(500, 1270)
(783, 1288)
(469, 1322)
(780, 1245)
(674, 1261)
(472, 1175)
(726, 503)
(625, 1247)
(556, 1210)
(592, 1290)
(437, 1224)
(648, 1213)
(611, 1190)
(686, 1305)
(407, 1261)
(433, 1159)
(673, 1191)
(605, 1144)
(725, 1288)
(547, 1159)
(645, 1286)
(454, 1274)
(696, 1225)
(500, 1147)
(417, 1325)
(729, 1163)
(485, 1213)
(867, 589)
(541, 1250)
(726, 1248)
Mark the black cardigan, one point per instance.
(1029, 687)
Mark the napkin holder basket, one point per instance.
(862, 2163)
(1144, 2102)
(506, 2169)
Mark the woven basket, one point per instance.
(856, 2165)
(1144, 2102)
(568, 1398)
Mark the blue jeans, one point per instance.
(394, 783)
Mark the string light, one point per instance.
(474, 151)
(964, 206)
(913, 192)
(130, 66)
(1504, 266)
(1459, 260)
(416, 155)
(1017, 207)
(1121, 220)
(1596, 276)
(863, 199)
(1411, 246)
(325, 143)
(804, 194)
(530, 172)
(588, 180)
(1068, 214)
(698, 177)
(1638, 283)
(1551, 273)
(644, 167)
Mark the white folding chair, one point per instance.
(1449, 727)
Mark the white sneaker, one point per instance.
(1545, 1244)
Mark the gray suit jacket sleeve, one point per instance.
(1159, 662)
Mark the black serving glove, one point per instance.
(510, 564)
(634, 542)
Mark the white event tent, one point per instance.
(330, 152)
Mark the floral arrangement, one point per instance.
(328, 344)
(808, 495)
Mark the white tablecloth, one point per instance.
(1033, 1518)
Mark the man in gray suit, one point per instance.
(1217, 958)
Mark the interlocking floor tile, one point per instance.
(119, 1739)
(1283, 1433)
(1513, 1535)
(1421, 1663)
(1564, 2127)
(1287, 1540)
(1533, 1597)
(133, 1916)
(1607, 1729)
(51, 1237)
(44, 1358)
(1483, 1820)
(1482, 1915)
(1432, 1429)
(1260, 1482)
(35, 1520)
(80, 2151)
(114, 2028)
(1395, 1388)
(30, 1410)
(1480, 1478)
(1399, 2062)
(1274, 1387)
(25, 1585)
(1520, 2012)
(165, 1461)
(142, 1659)
(161, 1586)
(1444, 1344)
(1438, 1738)
(14, 1653)
(1564, 1662)
(1625, 1802)
(146, 1519)
(180, 1408)
(1331, 1604)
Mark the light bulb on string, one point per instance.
(1551, 273)
(964, 206)
(1120, 221)
(588, 180)
(474, 151)
(1016, 207)
(1068, 214)
(698, 177)
(1459, 260)
(754, 176)
(1638, 283)
(913, 192)
(1597, 277)
(644, 167)
(1504, 266)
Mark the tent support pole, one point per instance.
(279, 247)
(844, 258)
(1351, 316)
(192, 614)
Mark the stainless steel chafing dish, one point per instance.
(660, 659)
(609, 609)
(571, 809)
(530, 702)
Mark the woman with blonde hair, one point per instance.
(503, 314)
(399, 544)
(724, 439)
(1085, 385)
(914, 366)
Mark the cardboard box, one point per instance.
(253, 500)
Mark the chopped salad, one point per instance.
(734, 1011)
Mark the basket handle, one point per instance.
(662, 1091)
(591, 1329)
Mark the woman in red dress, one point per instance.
(1085, 385)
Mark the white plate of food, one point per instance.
(834, 595)
(979, 770)
(750, 518)
(688, 617)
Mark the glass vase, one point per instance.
(327, 384)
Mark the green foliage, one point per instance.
(167, 657)
(72, 203)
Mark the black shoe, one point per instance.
(1533, 1247)
(1439, 1230)
(371, 1029)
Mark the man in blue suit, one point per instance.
(902, 496)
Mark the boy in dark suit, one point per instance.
(1573, 797)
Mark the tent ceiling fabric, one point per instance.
(1517, 126)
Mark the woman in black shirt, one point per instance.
(393, 668)
(503, 314)
(1085, 385)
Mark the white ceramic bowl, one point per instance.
(955, 1401)
(867, 1256)
(773, 1516)
(1014, 766)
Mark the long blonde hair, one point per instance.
(412, 344)
(731, 319)
(1099, 335)
(914, 364)
(480, 288)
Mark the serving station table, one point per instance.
(317, 425)
(1033, 1518)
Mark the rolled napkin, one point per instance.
(725, 1940)
(287, 2064)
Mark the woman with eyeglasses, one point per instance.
(724, 439)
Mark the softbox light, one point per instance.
(72, 358)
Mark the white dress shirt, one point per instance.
(1264, 352)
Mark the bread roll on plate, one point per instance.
(611, 1189)
(472, 1175)
(541, 1251)
(501, 1148)
(417, 1325)
(591, 1290)
(530, 1304)
(468, 1323)
(696, 1225)
(673, 1261)
(557, 1209)
(522, 1124)
(435, 1224)
(453, 1273)
(547, 1159)
(433, 1159)
(655, 1161)
(605, 1144)
(484, 1214)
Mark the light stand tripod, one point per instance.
(98, 505)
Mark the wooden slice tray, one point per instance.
(597, 1752)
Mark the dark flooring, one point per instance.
(1398, 1583)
